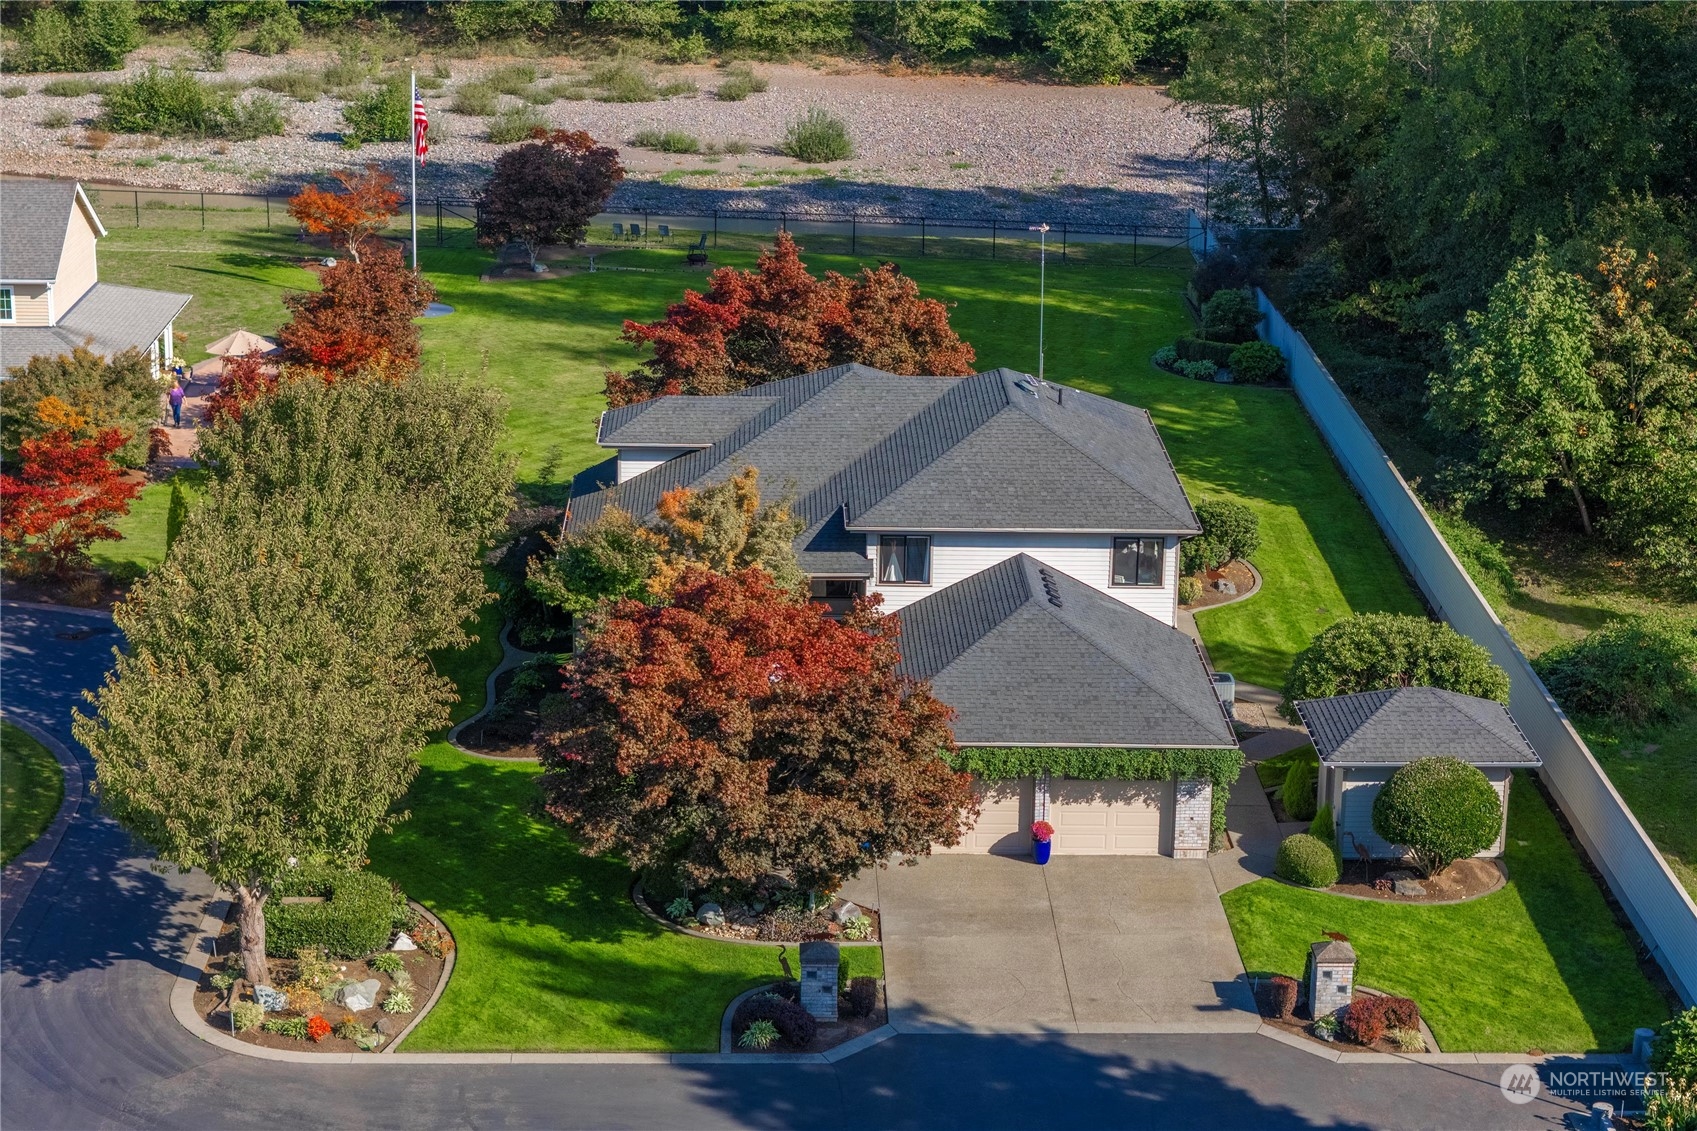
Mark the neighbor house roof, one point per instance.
(1395, 726)
(109, 319)
(34, 217)
(1029, 656)
(862, 450)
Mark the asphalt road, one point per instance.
(87, 1039)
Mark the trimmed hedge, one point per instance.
(1306, 860)
(1441, 808)
(1221, 767)
(1230, 531)
(862, 996)
(1191, 348)
(1278, 997)
(358, 915)
(1368, 1018)
(1230, 314)
(1300, 791)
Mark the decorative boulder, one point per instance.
(1224, 586)
(403, 941)
(358, 996)
(847, 912)
(270, 1000)
(710, 915)
(1408, 887)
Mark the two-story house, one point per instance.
(1028, 534)
(51, 296)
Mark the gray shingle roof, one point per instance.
(685, 422)
(859, 449)
(34, 217)
(1029, 656)
(110, 318)
(1398, 725)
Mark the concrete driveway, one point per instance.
(1087, 944)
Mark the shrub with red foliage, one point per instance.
(63, 497)
(1277, 997)
(1368, 1018)
(736, 732)
(245, 379)
(778, 320)
(367, 203)
(862, 996)
(362, 319)
(795, 1025)
(317, 1028)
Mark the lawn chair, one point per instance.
(618, 231)
(698, 252)
(666, 232)
(636, 231)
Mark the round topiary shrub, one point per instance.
(1257, 363)
(1441, 809)
(1300, 792)
(1306, 860)
(1369, 651)
(1230, 315)
(1230, 532)
(1639, 669)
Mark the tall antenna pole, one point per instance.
(414, 194)
(1042, 231)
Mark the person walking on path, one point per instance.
(176, 398)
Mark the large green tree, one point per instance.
(1370, 651)
(117, 392)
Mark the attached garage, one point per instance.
(1111, 818)
(1004, 821)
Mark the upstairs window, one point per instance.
(904, 559)
(1137, 561)
(6, 314)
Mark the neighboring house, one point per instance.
(51, 296)
(1363, 738)
(1028, 532)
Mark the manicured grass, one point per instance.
(469, 667)
(1539, 964)
(143, 545)
(1655, 769)
(31, 787)
(1272, 772)
(552, 954)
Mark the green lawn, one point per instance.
(547, 343)
(31, 787)
(1539, 964)
(552, 954)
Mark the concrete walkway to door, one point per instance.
(1087, 944)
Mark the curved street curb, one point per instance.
(641, 902)
(199, 953)
(24, 869)
(73, 610)
(727, 1046)
(511, 658)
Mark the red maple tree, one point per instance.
(778, 320)
(547, 190)
(362, 319)
(738, 732)
(64, 496)
(365, 206)
(245, 379)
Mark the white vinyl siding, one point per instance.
(635, 461)
(1087, 557)
(1361, 786)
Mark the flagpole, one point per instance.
(412, 136)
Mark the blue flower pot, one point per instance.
(1040, 850)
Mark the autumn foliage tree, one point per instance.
(778, 320)
(119, 392)
(64, 496)
(546, 190)
(361, 319)
(246, 378)
(738, 732)
(364, 207)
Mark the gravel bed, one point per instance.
(937, 146)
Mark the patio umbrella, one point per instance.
(241, 341)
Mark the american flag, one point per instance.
(420, 127)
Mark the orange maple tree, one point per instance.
(362, 319)
(365, 206)
(63, 497)
(778, 320)
(737, 732)
(246, 378)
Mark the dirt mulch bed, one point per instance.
(1300, 1024)
(1238, 573)
(831, 1033)
(769, 925)
(1465, 879)
(509, 738)
(85, 589)
(210, 1003)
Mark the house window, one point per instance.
(6, 314)
(1137, 561)
(836, 594)
(904, 559)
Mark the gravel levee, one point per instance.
(935, 146)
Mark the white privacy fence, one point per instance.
(1640, 879)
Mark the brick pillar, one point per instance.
(1193, 817)
(1040, 799)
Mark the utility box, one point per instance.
(1226, 688)
(819, 962)
(1331, 977)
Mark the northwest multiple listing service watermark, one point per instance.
(1523, 1083)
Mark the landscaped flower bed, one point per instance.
(1373, 1022)
(773, 1020)
(318, 1016)
(783, 920)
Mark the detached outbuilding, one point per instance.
(1364, 738)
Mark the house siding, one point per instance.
(1087, 557)
(634, 461)
(32, 305)
(1356, 791)
(78, 267)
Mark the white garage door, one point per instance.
(1004, 823)
(1111, 818)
